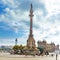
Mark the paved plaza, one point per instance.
(7, 56)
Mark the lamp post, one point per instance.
(16, 41)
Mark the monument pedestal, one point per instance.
(31, 42)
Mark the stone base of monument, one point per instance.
(31, 51)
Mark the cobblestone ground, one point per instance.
(7, 56)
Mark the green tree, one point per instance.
(41, 50)
(21, 47)
(16, 47)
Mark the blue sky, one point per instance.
(14, 21)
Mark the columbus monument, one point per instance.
(31, 41)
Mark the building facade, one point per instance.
(48, 47)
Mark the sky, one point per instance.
(15, 21)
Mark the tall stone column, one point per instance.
(31, 41)
(31, 18)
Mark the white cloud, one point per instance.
(6, 41)
(7, 9)
(11, 3)
(52, 6)
(45, 25)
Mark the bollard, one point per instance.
(56, 56)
